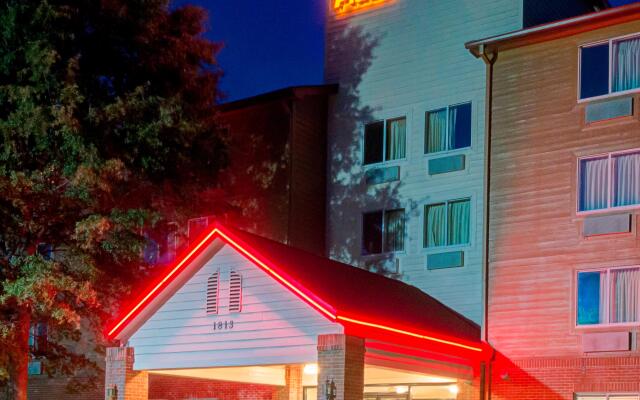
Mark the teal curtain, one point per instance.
(396, 138)
(435, 225)
(626, 65)
(459, 215)
(436, 131)
(394, 230)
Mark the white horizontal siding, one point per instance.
(419, 64)
(274, 326)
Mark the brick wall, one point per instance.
(164, 387)
(45, 388)
(131, 385)
(560, 378)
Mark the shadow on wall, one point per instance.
(510, 381)
(350, 53)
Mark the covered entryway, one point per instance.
(241, 317)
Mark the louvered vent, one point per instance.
(213, 287)
(235, 292)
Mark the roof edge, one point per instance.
(554, 30)
(283, 93)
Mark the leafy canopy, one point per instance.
(107, 130)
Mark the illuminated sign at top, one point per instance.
(349, 6)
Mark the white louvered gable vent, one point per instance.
(213, 288)
(235, 292)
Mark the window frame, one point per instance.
(606, 301)
(448, 150)
(609, 94)
(383, 230)
(610, 155)
(385, 122)
(446, 246)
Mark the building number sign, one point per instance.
(223, 325)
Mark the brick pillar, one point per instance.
(341, 360)
(130, 384)
(293, 382)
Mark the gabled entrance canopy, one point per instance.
(367, 305)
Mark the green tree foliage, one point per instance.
(107, 130)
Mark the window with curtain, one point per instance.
(447, 223)
(609, 181)
(448, 128)
(603, 71)
(610, 296)
(385, 140)
(383, 231)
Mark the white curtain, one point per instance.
(453, 113)
(625, 291)
(394, 230)
(603, 297)
(626, 65)
(458, 232)
(435, 230)
(627, 179)
(396, 138)
(437, 131)
(594, 183)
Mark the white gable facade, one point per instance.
(273, 326)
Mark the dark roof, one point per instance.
(557, 29)
(355, 291)
(280, 94)
(365, 303)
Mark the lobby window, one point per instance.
(448, 128)
(447, 223)
(383, 231)
(609, 181)
(385, 140)
(609, 296)
(610, 67)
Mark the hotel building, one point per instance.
(564, 245)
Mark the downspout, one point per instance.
(489, 59)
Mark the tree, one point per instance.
(107, 130)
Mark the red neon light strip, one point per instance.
(408, 333)
(161, 283)
(273, 273)
(331, 315)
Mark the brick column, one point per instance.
(293, 382)
(120, 376)
(341, 360)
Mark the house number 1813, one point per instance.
(222, 325)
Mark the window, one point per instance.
(385, 140)
(448, 128)
(447, 223)
(38, 338)
(609, 296)
(619, 396)
(610, 67)
(383, 231)
(609, 181)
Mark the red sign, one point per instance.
(348, 6)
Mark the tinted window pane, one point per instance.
(589, 298)
(396, 138)
(372, 233)
(626, 65)
(373, 140)
(594, 183)
(626, 179)
(460, 126)
(435, 229)
(594, 71)
(458, 232)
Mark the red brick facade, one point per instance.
(121, 381)
(341, 360)
(164, 387)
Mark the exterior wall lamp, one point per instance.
(330, 390)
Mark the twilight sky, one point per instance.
(270, 44)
